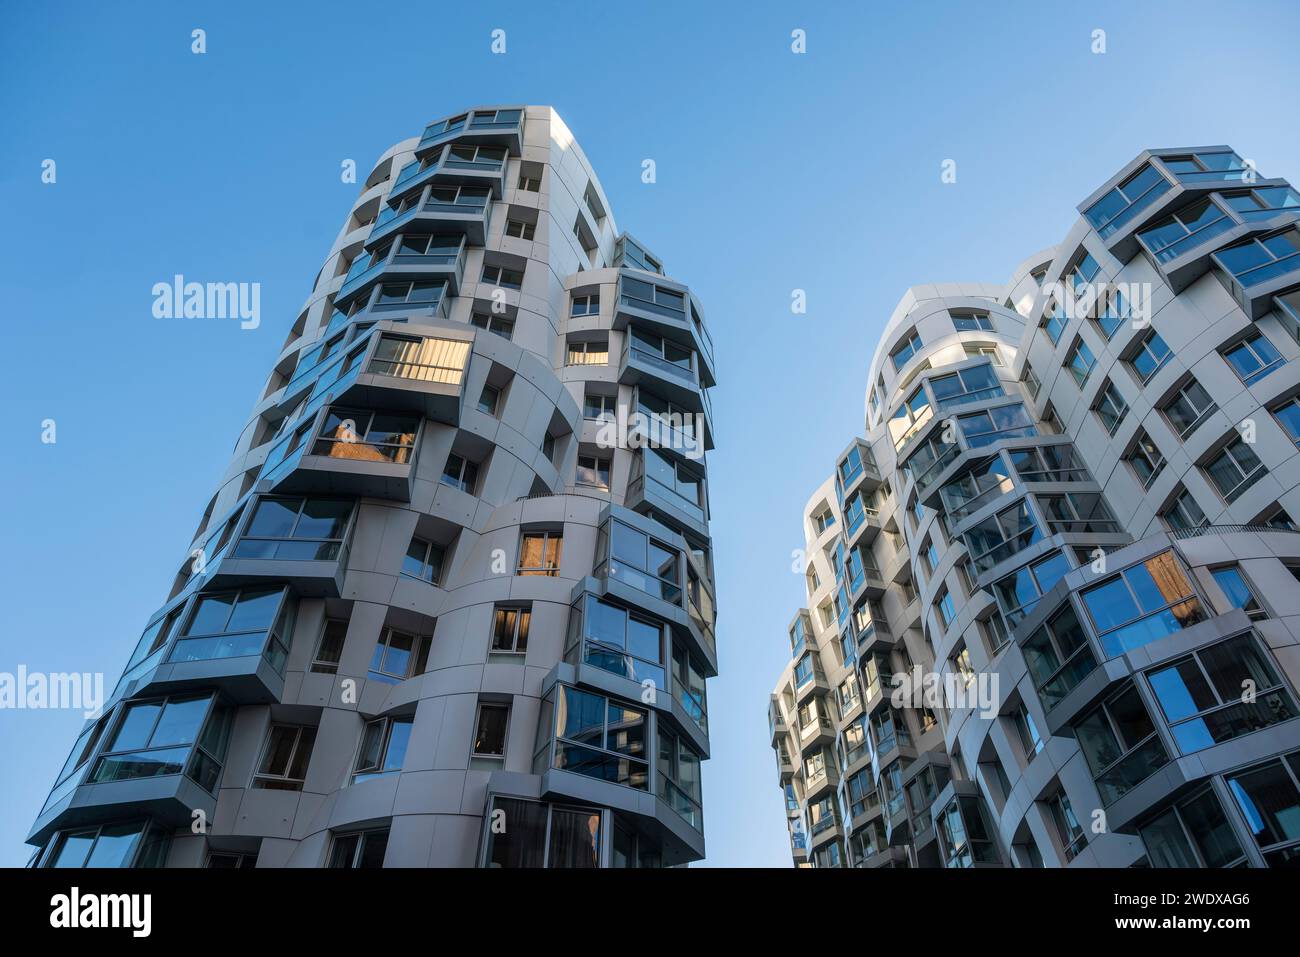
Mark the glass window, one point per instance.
(490, 730)
(1253, 358)
(383, 747)
(600, 737)
(1234, 469)
(423, 560)
(539, 554)
(1191, 833)
(510, 629)
(1238, 592)
(1080, 362)
(361, 849)
(1221, 692)
(284, 758)
(1120, 742)
(1058, 656)
(1270, 801)
(1145, 602)
(1150, 357)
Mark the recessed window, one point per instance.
(1234, 469)
(329, 650)
(972, 322)
(423, 560)
(1238, 592)
(503, 277)
(587, 353)
(460, 473)
(1253, 358)
(596, 406)
(1110, 407)
(1146, 460)
(361, 849)
(497, 325)
(284, 758)
(593, 470)
(519, 229)
(1183, 514)
(398, 656)
(539, 553)
(1187, 408)
(488, 400)
(383, 748)
(510, 629)
(1073, 837)
(1027, 730)
(1080, 362)
(907, 348)
(490, 730)
(588, 305)
(1151, 355)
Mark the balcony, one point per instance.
(165, 769)
(497, 127)
(674, 382)
(451, 165)
(417, 257)
(466, 210)
(346, 451)
(406, 370)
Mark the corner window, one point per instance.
(1120, 743)
(1143, 603)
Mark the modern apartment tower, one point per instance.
(1072, 516)
(452, 602)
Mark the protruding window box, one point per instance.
(662, 307)
(160, 758)
(406, 370)
(348, 451)
(438, 208)
(426, 257)
(405, 300)
(666, 371)
(598, 749)
(1258, 268)
(675, 486)
(501, 126)
(455, 165)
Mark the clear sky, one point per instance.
(776, 172)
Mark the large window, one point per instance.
(1049, 463)
(296, 529)
(1221, 692)
(964, 835)
(637, 559)
(597, 736)
(967, 493)
(652, 298)
(1122, 204)
(679, 778)
(1234, 469)
(621, 642)
(1257, 261)
(1058, 657)
(1185, 230)
(967, 385)
(1076, 512)
(675, 477)
(588, 352)
(383, 748)
(237, 624)
(1018, 593)
(543, 835)
(1000, 536)
(133, 844)
(420, 358)
(1269, 797)
(539, 553)
(165, 736)
(1003, 422)
(1119, 740)
(1143, 603)
(367, 436)
(1193, 832)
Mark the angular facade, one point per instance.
(1071, 518)
(452, 602)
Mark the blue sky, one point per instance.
(776, 172)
